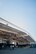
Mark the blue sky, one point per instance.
(20, 12)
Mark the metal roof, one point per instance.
(5, 25)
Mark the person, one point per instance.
(16, 44)
(13, 45)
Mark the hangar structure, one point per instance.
(9, 33)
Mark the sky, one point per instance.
(21, 13)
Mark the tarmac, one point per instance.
(18, 51)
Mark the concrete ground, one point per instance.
(18, 51)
